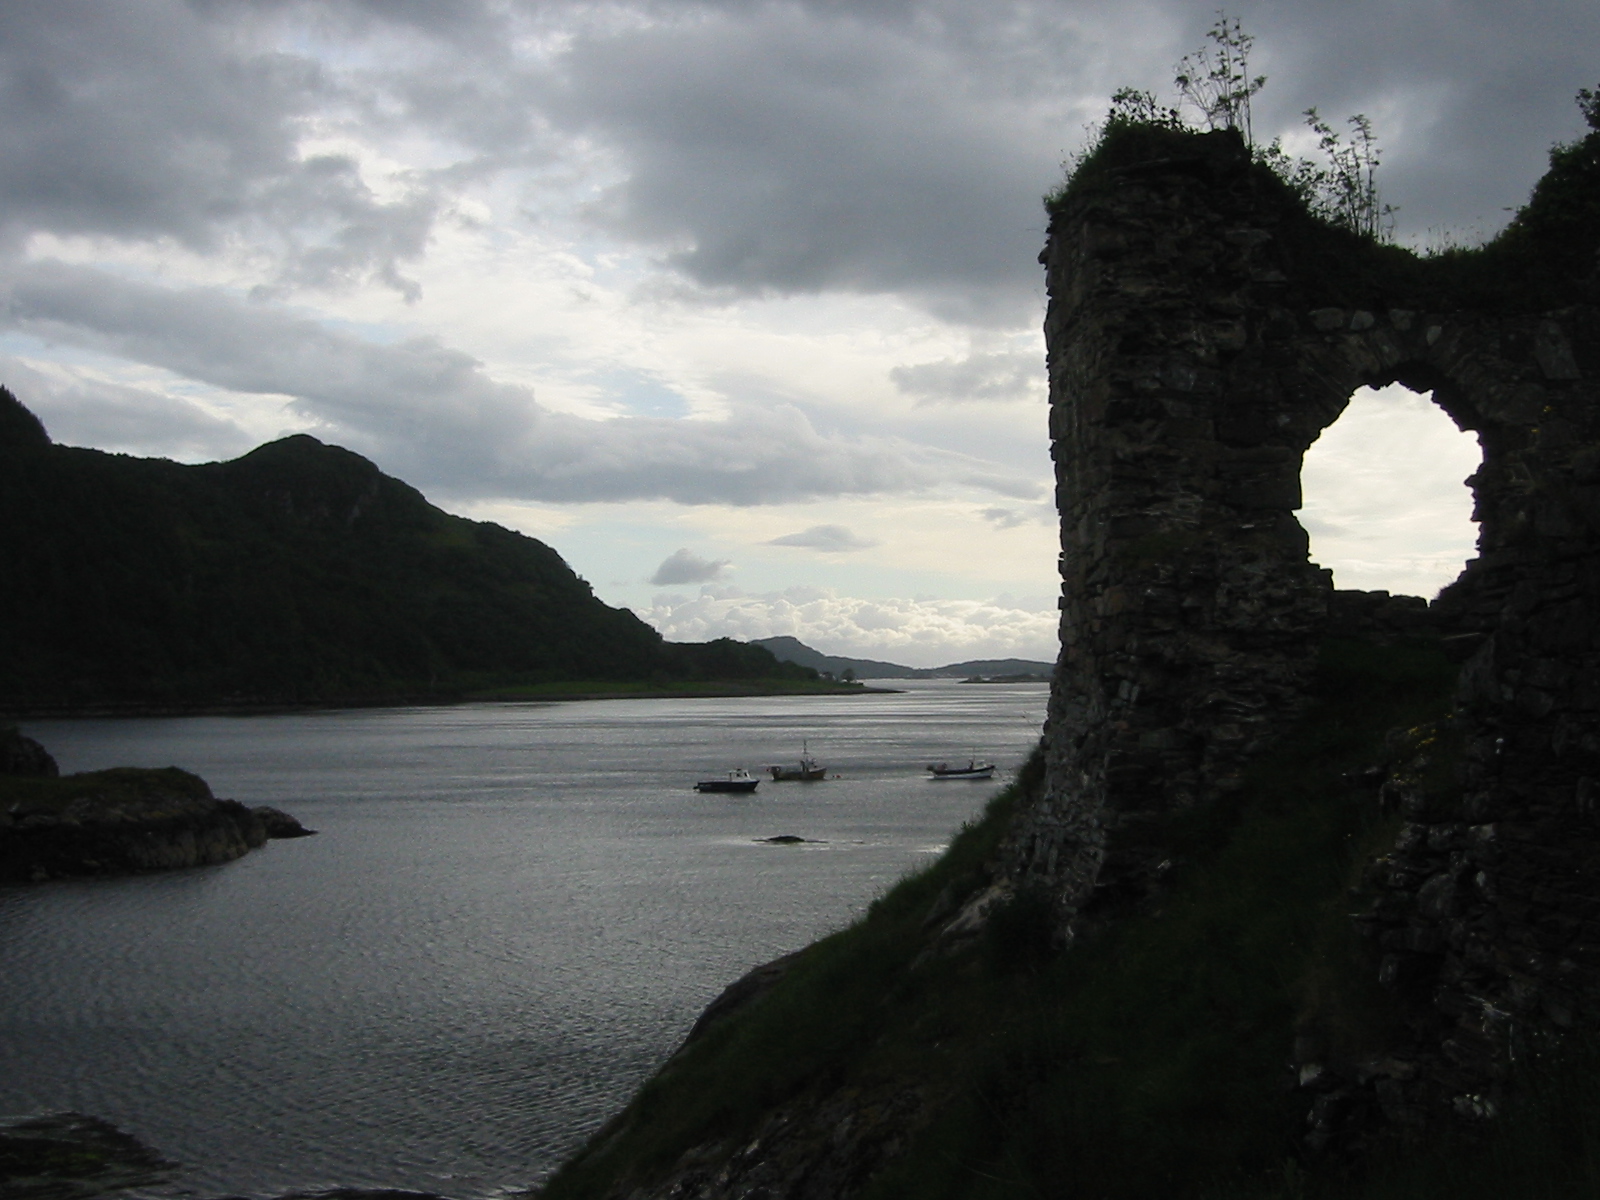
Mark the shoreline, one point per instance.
(506, 695)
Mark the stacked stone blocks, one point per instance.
(1192, 362)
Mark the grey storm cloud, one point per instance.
(904, 147)
(1467, 95)
(1011, 375)
(433, 415)
(683, 566)
(153, 121)
(798, 151)
(881, 146)
(831, 539)
(783, 147)
(864, 146)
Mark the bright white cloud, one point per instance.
(914, 632)
(1386, 504)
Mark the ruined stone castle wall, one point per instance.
(1192, 362)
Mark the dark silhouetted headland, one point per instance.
(297, 574)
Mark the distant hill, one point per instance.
(788, 649)
(991, 668)
(297, 573)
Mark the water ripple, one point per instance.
(512, 914)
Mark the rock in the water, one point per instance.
(70, 1156)
(278, 823)
(123, 821)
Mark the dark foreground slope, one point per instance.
(1344, 970)
(1156, 1058)
(298, 573)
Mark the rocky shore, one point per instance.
(71, 1156)
(125, 820)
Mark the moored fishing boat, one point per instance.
(972, 770)
(738, 780)
(807, 772)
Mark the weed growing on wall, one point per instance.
(1214, 83)
(1215, 80)
(1342, 190)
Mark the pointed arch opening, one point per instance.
(1385, 502)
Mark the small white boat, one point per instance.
(972, 770)
(738, 780)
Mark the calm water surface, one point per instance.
(512, 913)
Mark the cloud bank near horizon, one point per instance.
(911, 632)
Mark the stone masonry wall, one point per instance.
(1189, 372)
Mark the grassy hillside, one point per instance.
(299, 572)
(1149, 1060)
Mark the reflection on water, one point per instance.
(512, 913)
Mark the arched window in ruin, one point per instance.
(1384, 498)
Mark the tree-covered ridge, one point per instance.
(297, 573)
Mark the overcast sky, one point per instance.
(734, 304)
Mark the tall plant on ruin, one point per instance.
(1215, 90)
(1215, 80)
(1343, 189)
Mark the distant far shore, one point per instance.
(654, 691)
(577, 690)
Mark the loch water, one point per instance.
(511, 915)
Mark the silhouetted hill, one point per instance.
(788, 649)
(297, 573)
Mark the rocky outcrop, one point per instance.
(279, 824)
(72, 1156)
(126, 821)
